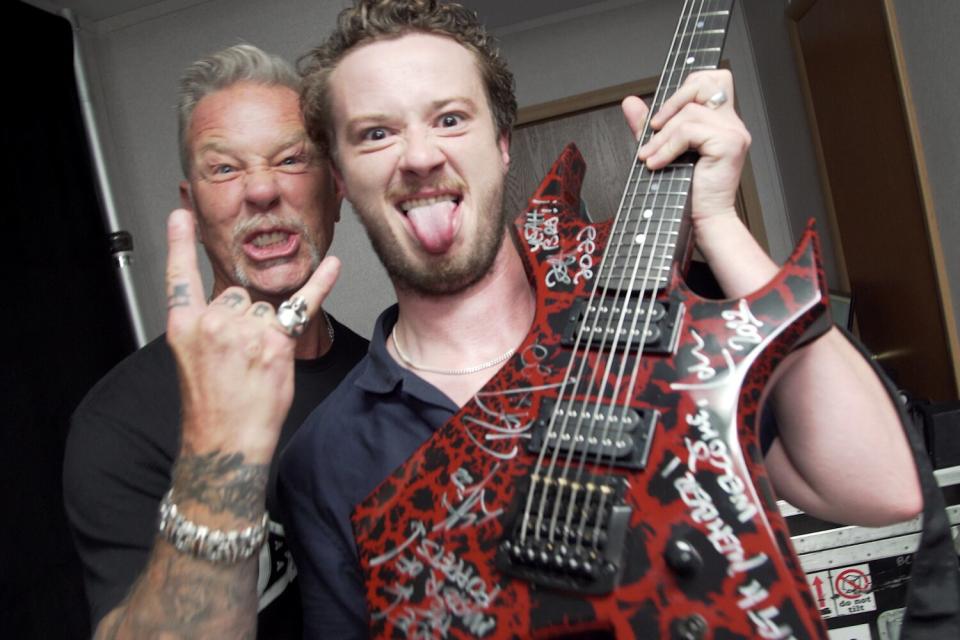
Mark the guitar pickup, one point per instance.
(603, 433)
(601, 318)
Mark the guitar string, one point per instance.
(660, 197)
(684, 170)
(626, 309)
(677, 174)
(569, 412)
(606, 262)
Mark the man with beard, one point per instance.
(264, 206)
(415, 108)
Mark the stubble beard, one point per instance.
(440, 275)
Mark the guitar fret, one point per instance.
(656, 188)
(704, 32)
(624, 268)
(673, 174)
(642, 261)
(701, 49)
(650, 253)
(619, 271)
(647, 247)
(659, 179)
(662, 232)
(653, 233)
(658, 206)
(657, 194)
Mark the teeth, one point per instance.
(265, 239)
(423, 202)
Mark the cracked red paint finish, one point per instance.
(428, 536)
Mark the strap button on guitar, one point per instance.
(690, 628)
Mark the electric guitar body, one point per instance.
(608, 481)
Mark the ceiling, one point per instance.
(495, 13)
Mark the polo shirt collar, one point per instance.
(382, 375)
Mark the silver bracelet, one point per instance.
(202, 542)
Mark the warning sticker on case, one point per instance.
(821, 586)
(853, 589)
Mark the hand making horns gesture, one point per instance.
(234, 357)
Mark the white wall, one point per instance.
(138, 59)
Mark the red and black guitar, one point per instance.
(608, 481)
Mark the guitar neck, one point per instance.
(648, 234)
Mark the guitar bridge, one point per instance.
(597, 323)
(567, 534)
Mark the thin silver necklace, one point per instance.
(447, 372)
(329, 326)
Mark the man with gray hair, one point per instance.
(142, 446)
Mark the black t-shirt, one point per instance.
(123, 440)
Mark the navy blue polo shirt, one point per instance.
(370, 425)
(367, 427)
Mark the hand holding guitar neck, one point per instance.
(700, 116)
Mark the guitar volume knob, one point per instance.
(682, 557)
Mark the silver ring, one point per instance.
(716, 100)
(292, 316)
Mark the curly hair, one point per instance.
(370, 20)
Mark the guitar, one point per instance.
(608, 481)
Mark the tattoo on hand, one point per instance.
(261, 309)
(180, 297)
(222, 482)
(231, 299)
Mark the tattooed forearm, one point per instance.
(222, 482)
(179, 295)
(181, 597)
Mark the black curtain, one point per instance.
(66, 321)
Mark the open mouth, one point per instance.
(262, 240)
(269, 244)
(415, 203)
(434, 219)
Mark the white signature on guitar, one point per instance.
(472, 509)
(703, 369)
(712, 449)
(452, 588)
(745, 324)
(560, 265)
(540, 231)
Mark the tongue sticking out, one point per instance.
(434, 225)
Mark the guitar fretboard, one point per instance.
(647, 229)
